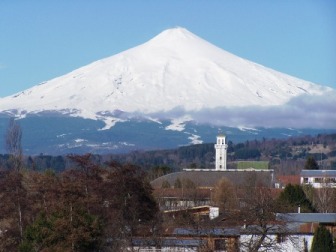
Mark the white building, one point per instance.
(221, 152)
(318, 178)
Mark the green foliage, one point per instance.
(311, 164)
(292, 197)
(195, 151)
(246, 153)
(82, 232)
(260, 165)
(322, 241)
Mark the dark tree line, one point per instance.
(284, 155)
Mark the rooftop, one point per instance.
(318, 173)
(308, 217)
(209, 178)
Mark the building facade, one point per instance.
(318, 178)
(221, 153)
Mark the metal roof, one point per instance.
(204, 178)
(169, 242)
(318, 173)
(307, 217)
(206, 232)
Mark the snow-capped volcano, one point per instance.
(175, 69)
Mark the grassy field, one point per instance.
(260, 165)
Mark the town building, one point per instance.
(318, 178)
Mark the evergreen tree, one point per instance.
(322, 241)
(293, 197)
(311, 164)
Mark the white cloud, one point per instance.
(306, 111)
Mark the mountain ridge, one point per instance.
(175, 70)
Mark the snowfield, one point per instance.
(175, 71)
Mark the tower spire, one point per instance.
(221, 152)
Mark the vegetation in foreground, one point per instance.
(89, 208)
(95, 207)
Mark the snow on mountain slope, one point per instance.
(175, 69)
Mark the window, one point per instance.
(281, 238)
(305, 180)
(318, 180)
(220, 244)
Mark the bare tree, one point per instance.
(324, 199)
(13, 144)
(14, 149)
(225, 195)
(257, 216)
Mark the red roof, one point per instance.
(289, 179)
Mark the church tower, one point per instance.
(221, 150)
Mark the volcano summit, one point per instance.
(175, 69)
(174, 79)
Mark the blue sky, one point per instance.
(41, 40)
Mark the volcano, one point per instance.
(175, 89)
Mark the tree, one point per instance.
(311, 164)
(225, 195)
(324, 199)
(158, 171)
(129, 204)
(257, 213)
(14, 204)
(14, 179)
(322, 240)
(13, 144)
(292, 197)
(87, 208)
(57, 233)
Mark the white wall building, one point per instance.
(221, 152)
(318, 178)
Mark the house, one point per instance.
(318, 178)
(189, 239)
(283, 180)
(308, 222)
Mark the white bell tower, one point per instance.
(221, 150)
